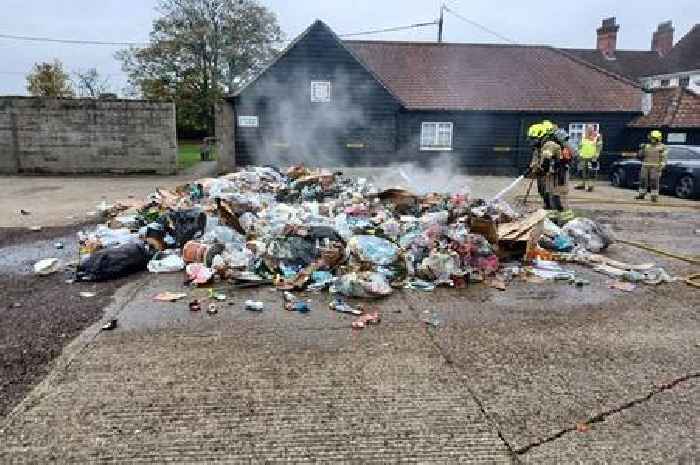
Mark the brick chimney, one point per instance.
(662, 40)
(607, 38)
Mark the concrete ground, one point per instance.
(539, 373)
(66, 200)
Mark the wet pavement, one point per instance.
(538, 373)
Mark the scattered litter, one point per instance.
(622, 286)
(550, 270)
(87, 294)
(588, 234)
(293, 304)
(496, 282)
(167, 264)
(46, 266)
(198, 273)
(216, 295)
(366, 319)
(110, 325)
(340, 306)
(169, 296)
(254, 306)
(419, 285)
(364, 284)
(431, 319)
(113, 262)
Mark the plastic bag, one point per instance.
(184, 225)
(588, 234)
(167, 264)
(198, 273)
(439, 266)
(114, 262)
(108, 237)
(364, 284)
(223, 234)
(46, 266)
(373, 249)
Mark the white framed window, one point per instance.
(676, 137)
(436, 136)
(320, 91)
(577, 130)
(248, 121)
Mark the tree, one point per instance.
(198, 50)
(91, 84)
(49, 80)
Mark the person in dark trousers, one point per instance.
(550, 166)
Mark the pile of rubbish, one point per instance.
(315, 230)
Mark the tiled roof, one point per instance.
(635, 64)
(632, 64)
(433, 76)
(671, 108)
(685, 55)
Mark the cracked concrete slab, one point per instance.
(548, 365)
(663, 429)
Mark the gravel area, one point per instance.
(38, 315)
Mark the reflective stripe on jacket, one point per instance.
(654, 155)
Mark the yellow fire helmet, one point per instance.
(535, 131)
(655, 135)
(549, 127)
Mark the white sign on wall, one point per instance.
(676, 138)
(248, 121)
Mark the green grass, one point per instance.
(188, 155)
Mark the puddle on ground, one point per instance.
(20, 258)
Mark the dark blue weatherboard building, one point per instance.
(325, 101)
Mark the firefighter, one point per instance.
(539, 167)
(589, 150)
(550, 165)
(653, 156)
(562, 164)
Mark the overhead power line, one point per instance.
(71, 41)
(141, 44)
(389, 29)
(480, 26)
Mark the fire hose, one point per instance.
(625, 202)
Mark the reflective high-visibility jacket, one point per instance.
(590, 149)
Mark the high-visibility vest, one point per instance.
(589, 148)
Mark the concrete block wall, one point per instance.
(86, 136)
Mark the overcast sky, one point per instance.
(563, 24)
